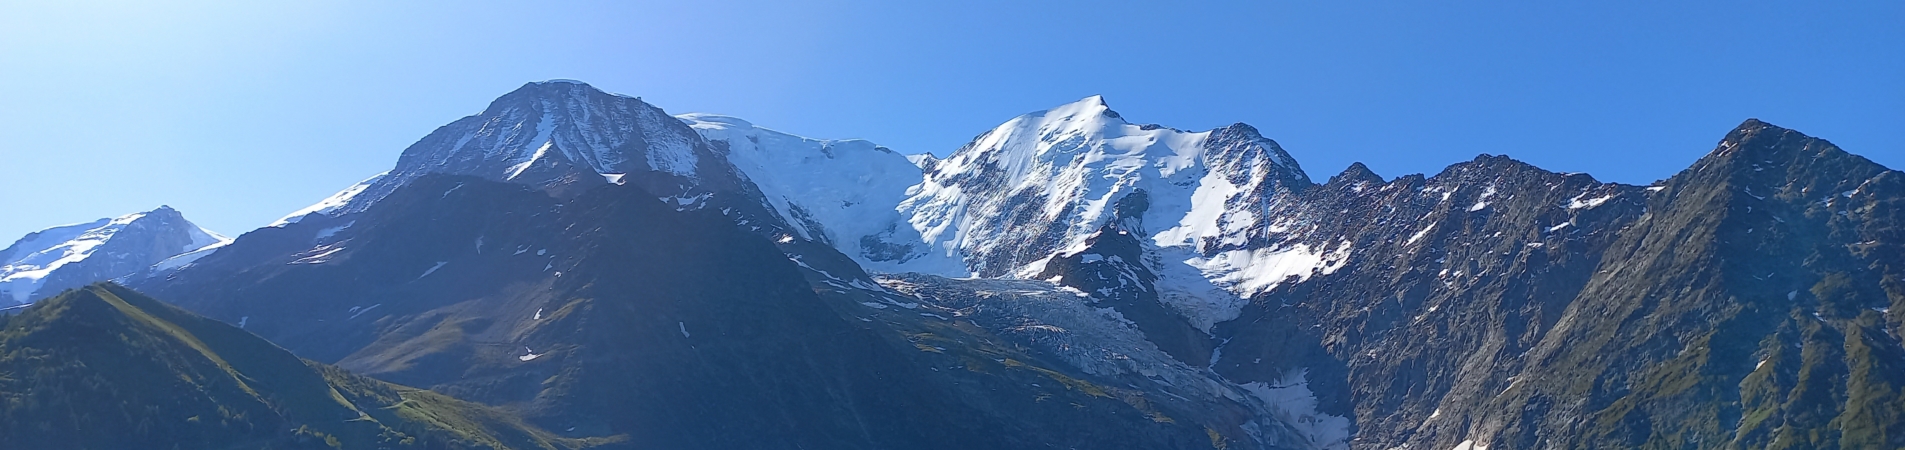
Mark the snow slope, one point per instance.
(844, 193)
(330, 205)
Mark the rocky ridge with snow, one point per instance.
(45, 262)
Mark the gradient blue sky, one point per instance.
(239, 114)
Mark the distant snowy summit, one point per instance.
(45, 262)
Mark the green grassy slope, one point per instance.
(106, 367)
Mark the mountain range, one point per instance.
(1071, 279)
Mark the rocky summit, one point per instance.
(572, 268)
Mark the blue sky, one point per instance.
(237, 114)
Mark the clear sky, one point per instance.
(237, 114)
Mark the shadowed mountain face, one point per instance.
(613, 314)
(105, 367)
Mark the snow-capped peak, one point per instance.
(1038, 185)
(62, 257)
(553, 135)
(1044, 181)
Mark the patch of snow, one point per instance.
(538, 314)
(1581, 202)
(243, 320)
(863, 284)
(1419, 234)
(188, 258)
(318, 255)
(433, 269)
(332, 231)
(684, 328)
(360, 312)
(529, 355)
(1250, 272)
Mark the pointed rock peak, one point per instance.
(553, 91)
(1356, 173)
(1241, 127)
(1492, 161)
(1488, 166)
(1770, 157)
(558, 85)
(165, 211)
(925, 161)
(559, 81)
(1768, 142)
(1092, 106)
